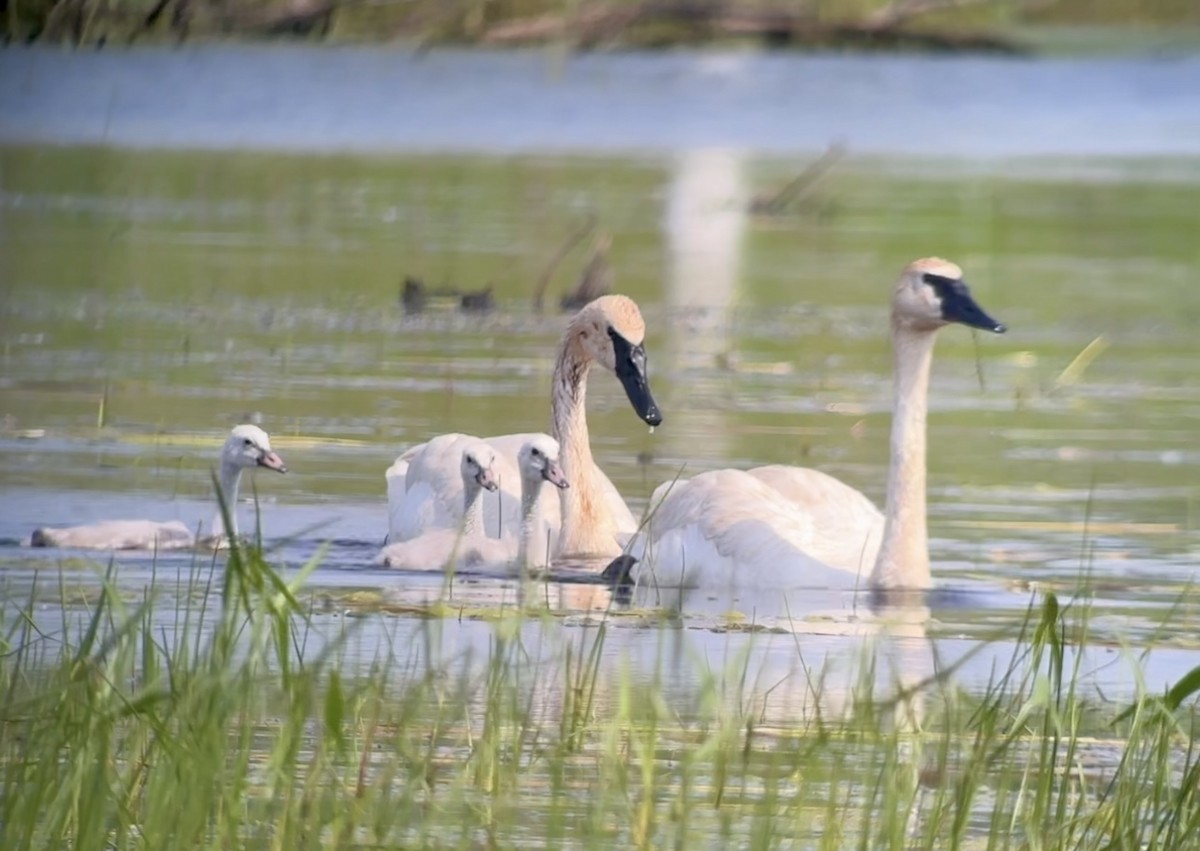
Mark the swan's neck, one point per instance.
(530, 551)
(903, 560)
(472, 506)
(229, 479)
(587, 523)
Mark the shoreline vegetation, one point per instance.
(230, 724)
(979, 26)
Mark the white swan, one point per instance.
(247, 447)
(445, 493)
(591, 518)
(789, 526)
(469, 549)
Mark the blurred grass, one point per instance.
(240, 725)
(471, 21)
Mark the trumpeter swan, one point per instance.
(591, 518)
(469, 549)
(788, 526)
(247, 447)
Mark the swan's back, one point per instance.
(724, 528)
(425, 489)
(430, 494)
(438, 549)
(117, 535)
(847, 526)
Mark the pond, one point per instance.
(196, 238)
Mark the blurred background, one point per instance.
(361, 224)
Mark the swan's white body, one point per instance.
(436, 497)
(468, 548)
(591, 518)
(848, 524)
(794, 527)
(118, 535)
(247, 446)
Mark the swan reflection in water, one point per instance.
(780, 657)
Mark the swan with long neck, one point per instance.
(790, 526)
(469, 549)
(591, 518)
(247, 447)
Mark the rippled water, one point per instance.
(153, 298)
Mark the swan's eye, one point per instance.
(536, 453)
(248, 442)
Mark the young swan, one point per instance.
(444, 492)
(437, 549)
(246, 448)
(476, 473)
(591, 518)
(789, 526)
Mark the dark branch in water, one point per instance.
(801, 186)
(539, 291)
(595, 280)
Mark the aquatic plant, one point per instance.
(139, 723)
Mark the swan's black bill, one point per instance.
(618, 570)
(958, 305)
(631, 370)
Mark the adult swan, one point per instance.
(794, 527)
(591, 519)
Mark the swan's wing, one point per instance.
(396, 477)
(117, 535)
(725, 529)
(432, 493)
(422, 509)
(396, 489)
(847, 527)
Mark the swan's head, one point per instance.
(478, 460)
(539, 461)
(932, 293)
(249, 446)
(611, 332)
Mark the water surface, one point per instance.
(156, 294)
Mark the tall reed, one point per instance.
(236, 716)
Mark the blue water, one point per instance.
(385, 99)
